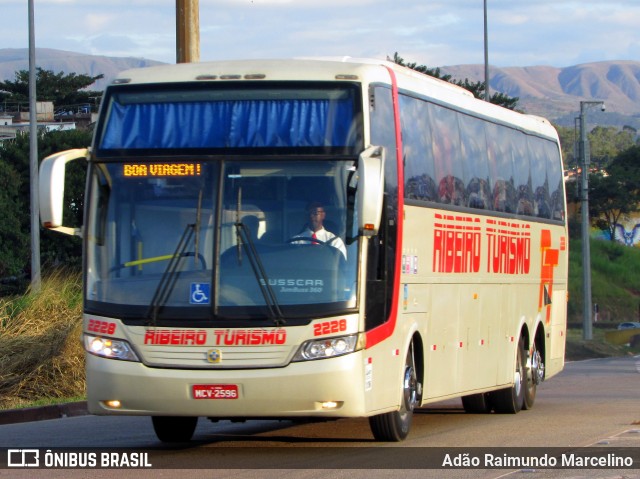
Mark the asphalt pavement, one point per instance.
(53, 411)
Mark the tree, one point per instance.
(615, 196)
(609, 202)
(626, 165)
(15, 199)
(14, 240)
(607, 142)
(568, 139)
(432, 72)
(477, 89)
(58, 88)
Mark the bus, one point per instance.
(443, 275)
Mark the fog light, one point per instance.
(331, 405)
(112, 404)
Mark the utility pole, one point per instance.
(587, 333)
(33, 158)
(187, 31)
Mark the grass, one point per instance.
(42, 359)
(615, 282)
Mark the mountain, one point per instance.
(556, 93)
(552, 92)
(15, 59)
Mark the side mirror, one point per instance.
(370, 190)
(51, 188)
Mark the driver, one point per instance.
(315, 230)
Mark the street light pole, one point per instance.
(487, 95)
(33, 158)
(587, 333)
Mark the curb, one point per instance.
(55, 411)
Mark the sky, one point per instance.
(435, 33)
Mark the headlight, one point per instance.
(109, 348)
(328, 347)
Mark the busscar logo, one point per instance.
(23, 458)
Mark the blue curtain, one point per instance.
(229, 124)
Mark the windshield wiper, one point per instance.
(259, 272)
(170, 275)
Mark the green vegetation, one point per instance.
(55, 249)
(476, 88)
(606, 143)
(59, 88)
(615, 282)
(41, 356)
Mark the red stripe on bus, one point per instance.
(385, 330)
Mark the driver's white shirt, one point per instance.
(325, 236)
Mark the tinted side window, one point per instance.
(540, 180)
(500, 160)
(521, 171)
(474, 157)
(456, 159)
(449, 174)
(556, 180)
(417, 151)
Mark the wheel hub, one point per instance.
(410, 387)
(537, 367)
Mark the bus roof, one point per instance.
(321, 68)
(365, 70)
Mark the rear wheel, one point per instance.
(395, 425)
(511, 400)
(174, 428)
(534, 376)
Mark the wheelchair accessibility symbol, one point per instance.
(200, 293)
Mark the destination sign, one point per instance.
(146, 170)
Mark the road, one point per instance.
(591, 403)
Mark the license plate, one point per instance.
(215, 391)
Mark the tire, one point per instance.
(511, 400)
(477, 403)
(394, 426)
(174, 428)
(534, 376)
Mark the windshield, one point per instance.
(270, 240)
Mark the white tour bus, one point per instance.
(441, 271)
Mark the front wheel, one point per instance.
(394, 426)
(174, 428)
